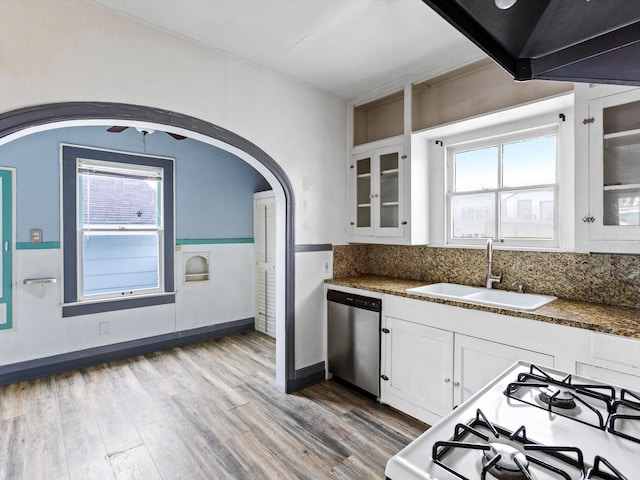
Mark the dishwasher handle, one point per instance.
(357, 301)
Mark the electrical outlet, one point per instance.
(36, 235)
(325, 267)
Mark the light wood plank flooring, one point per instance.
(204, 411)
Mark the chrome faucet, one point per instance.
(491, 278)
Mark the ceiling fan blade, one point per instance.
(116, 129)
(176, 136)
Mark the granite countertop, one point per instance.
(623, 321)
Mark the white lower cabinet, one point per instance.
(426, 371)
(428, 367)
(417, 367)
(615, 375)
(478, 361)
(435, 356)
(612, 359)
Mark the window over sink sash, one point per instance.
(504, 187)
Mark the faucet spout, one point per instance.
(491, 278)
(489, 255)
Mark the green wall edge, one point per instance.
(37, 246)
(212, 241)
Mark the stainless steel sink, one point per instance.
(484, 296)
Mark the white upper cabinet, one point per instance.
(388, 187)
(378, 191)
(611, 129)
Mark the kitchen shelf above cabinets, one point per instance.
(379, 119)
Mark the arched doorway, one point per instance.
(28, 120)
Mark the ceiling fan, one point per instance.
(145, 132)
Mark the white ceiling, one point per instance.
(347, 47)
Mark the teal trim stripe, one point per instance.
(212, 241)
(37, 246)
(181, 241)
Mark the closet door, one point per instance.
(265, 241)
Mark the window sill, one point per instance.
(500, 246)
(112, 305)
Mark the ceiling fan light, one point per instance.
(504, 4)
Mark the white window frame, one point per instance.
(556, 111)
(81, 230)
(510, 137)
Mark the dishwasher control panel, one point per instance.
(358, 301)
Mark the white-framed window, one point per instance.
(120, 229)
(504, 187)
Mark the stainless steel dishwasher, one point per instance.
(354, 339)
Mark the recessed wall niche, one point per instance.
(196, 267)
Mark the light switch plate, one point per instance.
(36, 235)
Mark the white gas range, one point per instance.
(531, 423)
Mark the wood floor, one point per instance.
(204, 411)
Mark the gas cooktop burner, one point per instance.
(586, 403)
(511, 455)
(528, 439)
(560, 398)
(507, 463)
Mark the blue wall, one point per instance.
(214, 189)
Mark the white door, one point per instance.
(389, 194)
(478, 361)
(418, 364)
(265, 242)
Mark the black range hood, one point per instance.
(595, 41)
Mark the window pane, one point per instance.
(473, 216)
(111, 200)
(476, 169)
(529, 162)
(120, 262)
(527, 214)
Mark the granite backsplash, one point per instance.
(597, 278)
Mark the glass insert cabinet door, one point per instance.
(389, 190)
(615, 166)
(363, 193)
(621, 164)
(378, 191)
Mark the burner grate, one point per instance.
(520, 464)
(627, 409)
(562, 396)
(597, 473)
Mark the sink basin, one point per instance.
(447, 290)
(484, 296)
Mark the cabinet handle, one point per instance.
(384, 377)
(385, 330)
(447, 380)
(587, 121)
(588, 219)
(456, 384)
(403, 157)
(404, 223)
